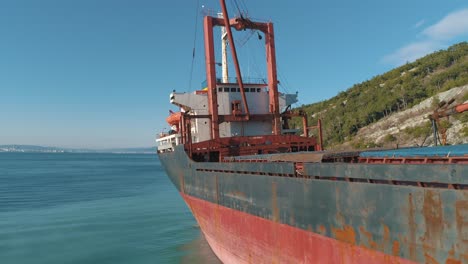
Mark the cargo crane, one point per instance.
(444, 109)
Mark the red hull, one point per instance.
(237, 237)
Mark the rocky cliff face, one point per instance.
(397, 129)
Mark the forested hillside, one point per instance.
(397, 90)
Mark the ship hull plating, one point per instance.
(265, 212)
(238, 237)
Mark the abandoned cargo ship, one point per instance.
(262, 194)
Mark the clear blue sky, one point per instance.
(97, 73)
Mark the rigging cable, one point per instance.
(194, 45)
(238, 9)
(246, 11)
(255, 60)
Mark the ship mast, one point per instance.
(224, 66)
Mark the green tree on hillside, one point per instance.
(383, 95)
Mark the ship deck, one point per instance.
(438, 154)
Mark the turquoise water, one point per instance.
(94, 208)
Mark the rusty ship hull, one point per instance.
(383, 211)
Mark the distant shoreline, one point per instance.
(41, 149)
(70, 152)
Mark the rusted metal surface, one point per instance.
(416, 160)
(300, 157)
(252, 145)
(250, 168)
(238, 237)
(315, 156)
(419, 223)
(446, 173)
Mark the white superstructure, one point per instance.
(196, 103)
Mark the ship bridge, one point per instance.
(230, 102)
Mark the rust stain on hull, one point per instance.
(452, 261)
(274, 202)
(412, 228)
(430, 259)
(322, 230)
(386, 236)
(347, 234)
(434, 217)
(461, 215)
(372, 244)
(396, 248)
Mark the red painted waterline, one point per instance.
(238, 237)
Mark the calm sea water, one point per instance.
(94, 208)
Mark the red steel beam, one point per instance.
(305, 126)
(272, 78)
(211, 76)
(320, 143)
(461, 108)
